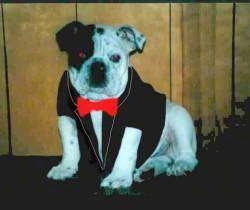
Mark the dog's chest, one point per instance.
(96, 117)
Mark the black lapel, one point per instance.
(89, 129)
(127, 91)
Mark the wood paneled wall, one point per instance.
(194, 69)
(242, 60)
(35, 66)
(201, 60)
(223, 61)
(3, 98)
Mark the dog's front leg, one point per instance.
(122, 172)
(71, 153)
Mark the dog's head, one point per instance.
(99, 57)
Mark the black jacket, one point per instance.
(140, 106)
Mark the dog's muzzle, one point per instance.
(97, 73)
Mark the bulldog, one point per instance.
(128, 127)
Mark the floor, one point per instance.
(222, 175)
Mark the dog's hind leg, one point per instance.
(182, 141)
(175, 153)
(158, 161)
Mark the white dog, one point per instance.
(129, 127)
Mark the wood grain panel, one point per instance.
(150, 19)
(191, 59)
(35, 66)
(223, 60)
(3, 104)
(242, 52)
(176, 53)
(207, 70)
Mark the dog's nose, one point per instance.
(98, 65)
(97, 73)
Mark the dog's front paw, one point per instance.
(114, 181)
(62, 171)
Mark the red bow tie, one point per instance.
(85, 106)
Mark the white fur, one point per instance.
(96, 117)
(176, 150)
(71, 153)
(122, 172)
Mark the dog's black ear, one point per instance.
(68, 36)
(133, 39)
(76, 40)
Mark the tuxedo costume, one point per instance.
(144, 130)
(140, 106)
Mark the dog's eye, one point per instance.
(115, 58)
(81, 54)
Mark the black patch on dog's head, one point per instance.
(75, 38)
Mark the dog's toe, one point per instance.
(105, 183)
(137, 176)
(116, 182)
(49, 174)
(180, 167)
(61, 172)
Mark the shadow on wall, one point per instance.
(230, 141)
